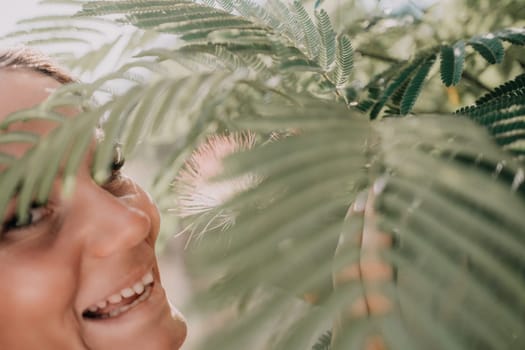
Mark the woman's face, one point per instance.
(82, 273)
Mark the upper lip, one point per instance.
(129, 281)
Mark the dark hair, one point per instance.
(27, 58)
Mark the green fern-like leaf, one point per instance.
(46, 157)
(324, 342)
(256, 63)
(502, 112)
(396, 84)
(210, 3)
(511, 131)
(398, 95)
(452, 61)
(312, 40)
(486, 109)
(427, 168)
(512, 87)
(6, 159)
(226, 5)
(300, 64)
(328, 39)
(49, 33)
(190, 20)
(233, 61)
(514, 36)
(289, 21)
(78, 27)
(19, 137)
(489, 47)
(181, 13)
(255, 11)
(210, 31)
(344, 60)
(131, 7)
(365, 105)
(243, 41)
(199, 29)
(416, 84)
(424, 174)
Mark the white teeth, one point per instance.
(138, 288)
(115, 298)
(148, 278)
(114, 313)
(127, 307)
(127, 292)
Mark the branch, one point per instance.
(472, 79)
(467, 76)
(378, 56)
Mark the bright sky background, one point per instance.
(14, 10)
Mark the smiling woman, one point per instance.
(81, 272)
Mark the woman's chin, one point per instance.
(153, 324)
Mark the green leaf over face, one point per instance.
(422, 216)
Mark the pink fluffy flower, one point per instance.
(199, 194)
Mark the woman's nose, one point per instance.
(111, 224)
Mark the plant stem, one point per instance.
(472, 79)
(467, 76)
(378, 56)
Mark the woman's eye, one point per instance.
(116, 183)
(34, 216)
(117, 163)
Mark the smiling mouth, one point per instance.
(123, 301)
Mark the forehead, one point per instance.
(21, 89)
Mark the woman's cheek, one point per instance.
(35, 291)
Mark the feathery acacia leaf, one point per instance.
(421, 175)
(489, 47)
(324, 342)
(328, 40)
(300, 64)
(129, 7)
(255, 11)
(395, 85)
(312, 37)
(515, 86)
(190, 20)
(289, 21)
(502, 112)
(344, 60)
(402, 209)
(398, 95)
(514, 36)
(452, 60)
(226, 5)
(19, 137)
(416, 84)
